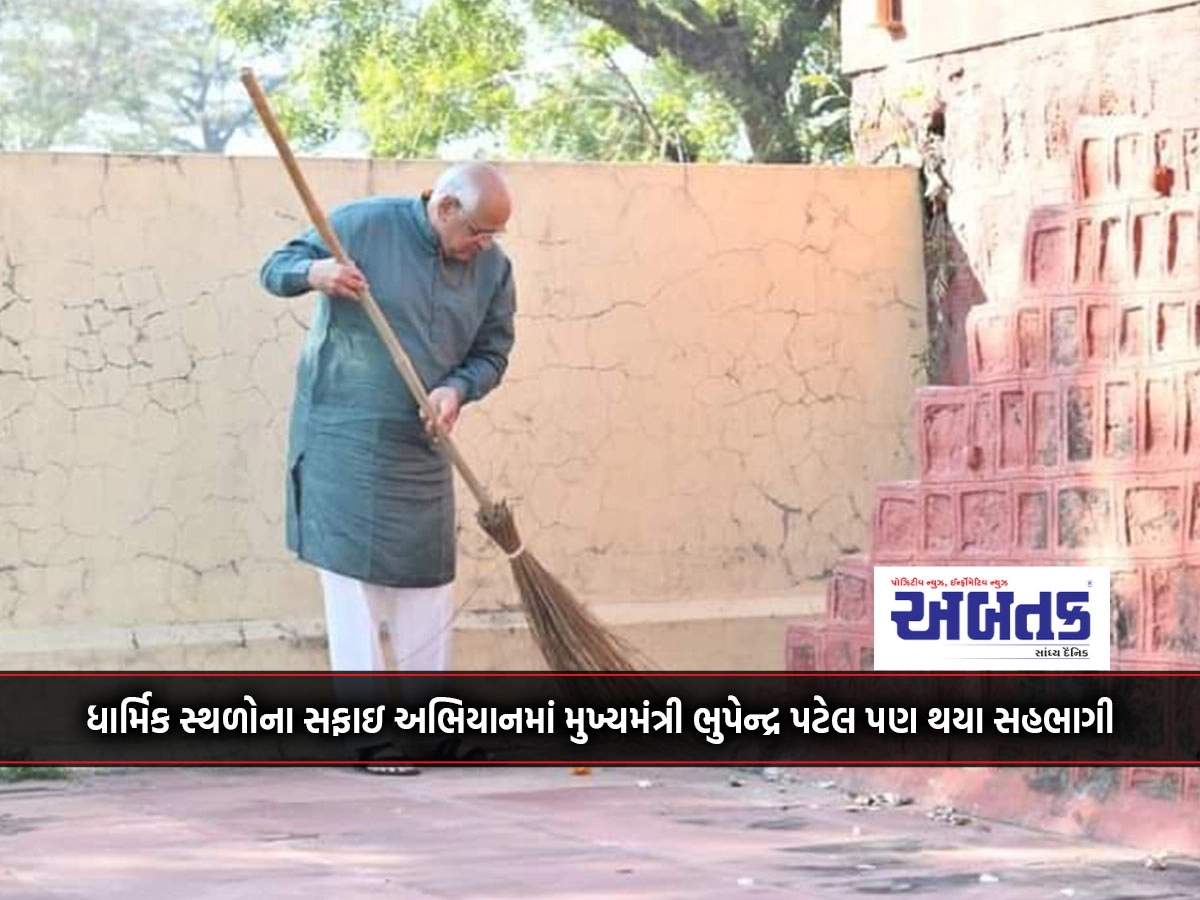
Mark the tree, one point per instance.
(714, 73)
(597, 109)
(120, 74)
(752, 49)
(412, 80)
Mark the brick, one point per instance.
(1139, 662)
(1064, 337)
(897, 520)
(1191, 777)
(992, 351)
(1049, 254)
(1098, 782)
(1082, 418)
(1195, 324)
(1113, 264)
(1045, 425)
(1152, 519)
(1085, 263)
(1013, 452)
(1191, 159)
(1158, 417)
(1193, 532)
(851, 591)
(1031, 341)
(938, 526)
(1133, 331)
(1148, 243)
(1174, 601)
(1161, 784)
(1127, 609)
(1167, 158)
(1183, 246)
(803, 648)
(1132, 167)
(981, 458)
(1084, 516)
(1094, 169)
(1171, 339)
(1033, 517)
(1190, 425)
(985, 514)
(1098, 330)
(1119, 419)
(945, 431)
(848, 650)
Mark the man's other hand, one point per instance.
(446, 403)
(333, 279)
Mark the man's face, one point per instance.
(465, 235)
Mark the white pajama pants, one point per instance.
(417, 622)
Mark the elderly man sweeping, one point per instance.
(370, 499)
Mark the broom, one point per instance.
(567, 635)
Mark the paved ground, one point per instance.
(530, 834)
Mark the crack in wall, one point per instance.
(144, 406)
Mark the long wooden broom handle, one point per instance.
(407, 371)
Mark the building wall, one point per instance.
(935, 27)
(1073, 161)
(1009, 112)
(713, 368)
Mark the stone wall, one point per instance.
(713, 369)
(1069, 434)
(1009, 110)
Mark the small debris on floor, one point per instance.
(1156, 861)
(985, 878)
(948, 815)
(745, 882)
(645, 783)
(826, 785)
(865, 867)
(1068, 892)
(859, 802)
(734, 781)
(772, 773)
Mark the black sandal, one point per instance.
(392, 766)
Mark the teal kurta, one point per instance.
(367, 495)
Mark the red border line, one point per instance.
(839, 763)
(646, 675)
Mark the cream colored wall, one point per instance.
(713, 371)
(934, 27)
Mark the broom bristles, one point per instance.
(566, 633)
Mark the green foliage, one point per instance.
(117, 74)
(410, 80)
(599, 110)
(10, 774)
(707, 78)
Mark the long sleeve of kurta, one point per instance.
(285, 272)
(487, 360)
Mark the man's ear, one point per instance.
(447, 206)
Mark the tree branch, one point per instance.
(694, 14)
(643, 110)
(707, 49)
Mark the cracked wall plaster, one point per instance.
(713, 370)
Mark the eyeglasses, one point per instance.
(476, 231)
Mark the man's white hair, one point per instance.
(463, 183)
